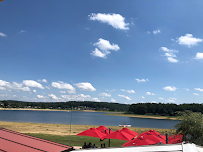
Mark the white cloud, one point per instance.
(98, 53)
(188, 40)
(34, 91)
(62, 91)
(2, 88)
(111, 90)
(3, 35)
(196, 94)
(199, 55)
(32, 83)
(20, 87)
(148, 32)
(156, 32)
(161, 98)
(113, 100)
(149, 93)
(170, 54)
(48, 87)
(171, 100)
(186, 89)
(154, 102)
(23, 89)
(142, 80)
(105, 94)
(40, 96)
(85, 86)
(126, 97)
(22, 31)
(142, 97)
(5, 84)
(130, 91)
(96, 100)
(170, 88)
(44, 80)
(52, 96)
(115, 20)
(105, 47)
(63, 85)
(198, 89)
(79, 97)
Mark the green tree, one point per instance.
(191, 123)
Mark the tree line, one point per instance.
(77, 105)
(162, 109)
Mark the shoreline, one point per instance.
(64, 129)
(143, 116)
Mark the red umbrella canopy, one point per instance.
(119, 135)
(126, 130)
(104, 130)
(139, 141)
(153, 137)
(154, 133)
(93, 132)
(175, 139)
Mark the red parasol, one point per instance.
(104, 130)
(151, 136)
(155, 133)
(126, 130)
(139, 141)
(93, 132)
(175, 139)
(119, 135)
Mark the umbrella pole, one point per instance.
(109, 139)
(70, 124)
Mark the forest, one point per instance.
(77, 105)
(162, 109)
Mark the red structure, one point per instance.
(11, 141)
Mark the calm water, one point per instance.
(82, 118)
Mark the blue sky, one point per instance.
(104, 51)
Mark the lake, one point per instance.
(82, 118)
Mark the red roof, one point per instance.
(18, 142)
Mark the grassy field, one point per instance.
(60, 133)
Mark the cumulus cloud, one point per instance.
(63, 85)
(199, 55)
(62, 91)
(186, 89)
(44, 80)
(141, 80)
(168, 100)
(113, 100)
(85, 86)
(40, 96)
(170, 88)
(3, 35)
(154, 102)
(156, 32)
(5, 84)
(100, 54)
(52, 96)
(170, 54)
(196, 94)
(105, 47)
(78, 97)
(115, 20)
(129, 91)
(126, 97)
(34, 91)
(32, 83)
(188, 40)
(142, 97)
(22, 31)
(105, 94)
(198, 89)
(149, 93)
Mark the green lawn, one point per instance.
(79, 140)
